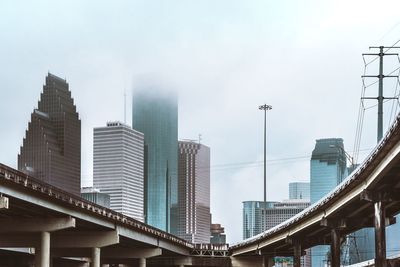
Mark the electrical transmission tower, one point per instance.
(380, 76)
(352, 245)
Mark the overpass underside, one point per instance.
(369, 197)
(45, 226)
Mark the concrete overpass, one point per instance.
(66, 230)
(369, 197)
(57, 224)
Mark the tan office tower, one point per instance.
(51, 149)
(194, 192)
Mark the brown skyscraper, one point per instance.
(51, 149)
(194, 192)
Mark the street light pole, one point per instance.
(265, 107)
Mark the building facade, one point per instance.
(327, 170)
(94, 195)
(282, 211)
(118, 167)
(299, 190)
(155, 113)
(253, 217)
(275, 213)
(194, 192)
(51, 149)
(218, 236)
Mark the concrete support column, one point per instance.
(42, 253)
(268, 261)
(335, 247)
(380, 234)
(142, 262)
(297, 255)
(95, 257)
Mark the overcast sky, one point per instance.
(224, 57)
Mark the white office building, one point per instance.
(118, 159)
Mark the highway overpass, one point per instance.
(65, 230)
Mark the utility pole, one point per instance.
(380, 76)
(265, 107)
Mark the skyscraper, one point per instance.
(118, 159)
(282, 211)
(299, 190)
(194, 192)
(51, 149)
(94, 195)
(155, 113)
(253, 217)
(275, 213)
(328, 169)
(218, 236)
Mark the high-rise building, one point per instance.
(51, 149)
(328, 169)
(118, 160)
(155, 113)
(194, 192)
(218, 236)
(94, 195)
(253, 212)
(299, 190)
(282, 211)
(275, 213)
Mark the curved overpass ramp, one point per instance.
(369, 197)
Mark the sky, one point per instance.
(225, 58)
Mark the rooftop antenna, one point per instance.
(124, 105)
(199, 139)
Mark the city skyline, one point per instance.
(225, 60)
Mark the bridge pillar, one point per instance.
(142, 262)
(297, 255)
(95, 257)
(269, 261)
(335, 247)
(380, 232)
(42, 253)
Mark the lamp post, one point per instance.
(265, 107)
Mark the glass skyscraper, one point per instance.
(155, 114)
(275, 213)
(253, 217)
(299, 190)
(328, 169)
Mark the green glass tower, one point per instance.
(155, 114)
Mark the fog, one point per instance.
(224, 58)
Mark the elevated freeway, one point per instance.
(369, 197)
(66, 230)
